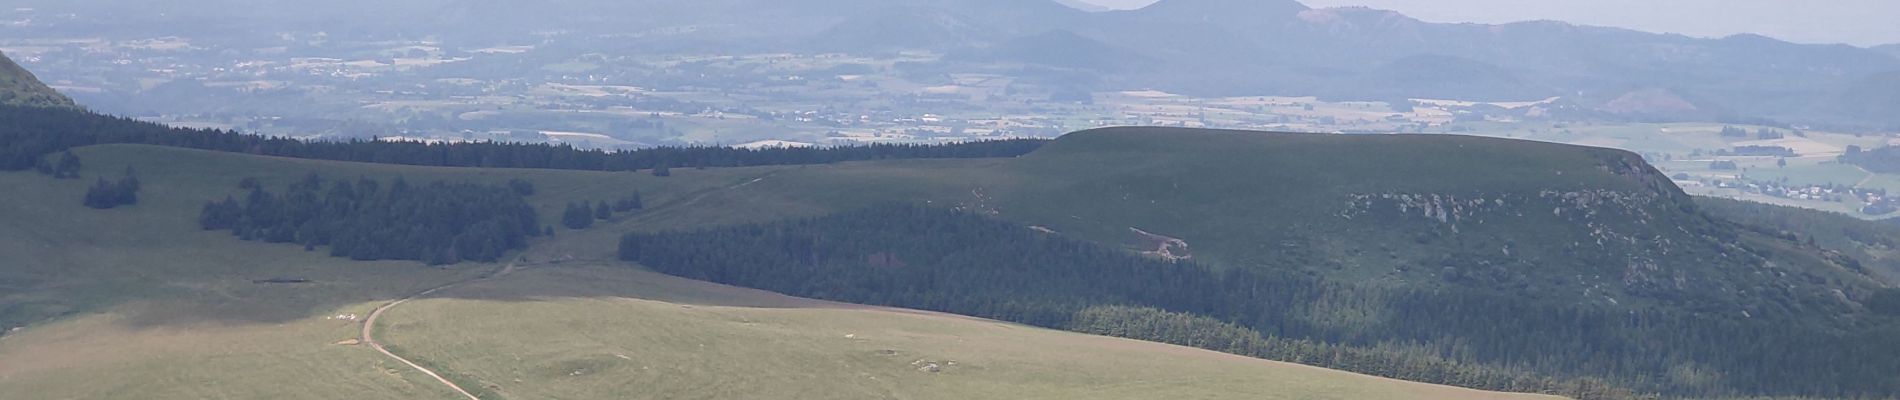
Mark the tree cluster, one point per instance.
(582, 216)
(1762, 134)
(67, 167)
(941, 260)
(438, 223)
(1884, 160)
(107, 194)
(630, 203)
(579, 216)
(1760, 151)
(31, 133)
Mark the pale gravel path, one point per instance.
(369, 327)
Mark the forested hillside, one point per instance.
(1565, 224)
(1562, 261)
(1876, 244)
(920, 257)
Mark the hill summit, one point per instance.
(20, 88)
(1568, 224)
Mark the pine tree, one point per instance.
(602, 212)
(577, 216)
(126, 192)
(102, 195)
(629, 203)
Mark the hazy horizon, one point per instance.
(1856, 22)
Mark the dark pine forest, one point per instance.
(437, 223)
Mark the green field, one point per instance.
(138, 303)
(617, 334)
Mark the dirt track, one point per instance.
(369, 328)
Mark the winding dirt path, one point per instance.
(369, 328)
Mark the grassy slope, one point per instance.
(649, 335)
(19, 87)
(154, 308)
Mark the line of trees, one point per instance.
(1763, 133)
(31, 133)
(438, 223)
(581, 215)
(1884, 160)
(918, 257)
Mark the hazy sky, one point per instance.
(1860, 22)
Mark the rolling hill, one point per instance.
(137, 302)
(18, 87)
(1403, 207)
(1865, 98)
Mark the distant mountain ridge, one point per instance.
(1289, 48)
(19, 87)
